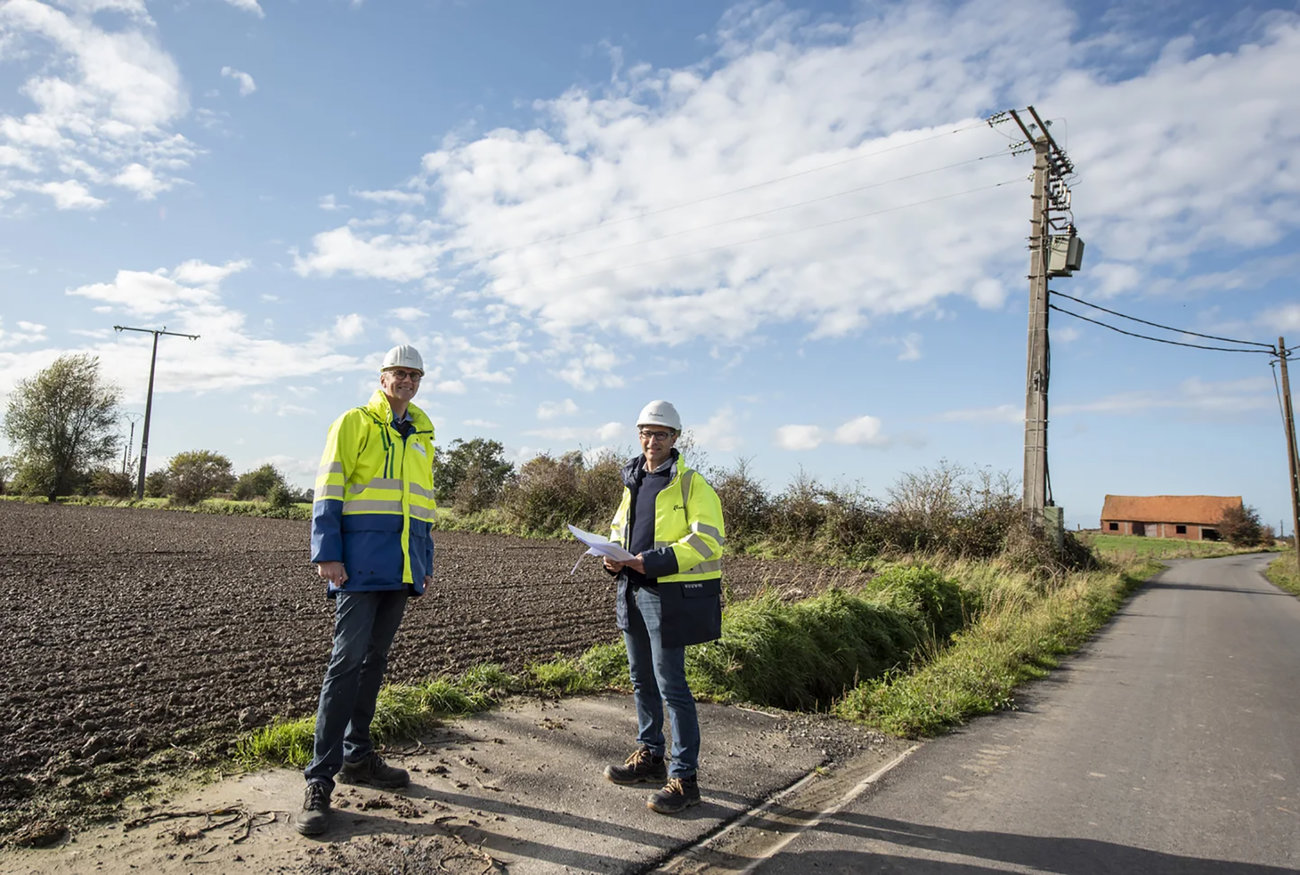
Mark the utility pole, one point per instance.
(130, 441)
(1051, 166)
(1289, 421)
(1036, 376)
(148, 404)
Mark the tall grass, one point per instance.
(1283, 572)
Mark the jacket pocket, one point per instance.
(692, 612)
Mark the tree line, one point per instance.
(62, 424)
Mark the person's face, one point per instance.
(400, 384)
(656, 442)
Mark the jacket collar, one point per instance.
(636, 463)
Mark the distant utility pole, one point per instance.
(148, 404)
(1046, 259)
(1288, 417)
(130, 441)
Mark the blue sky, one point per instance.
(790, 219)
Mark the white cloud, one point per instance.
(23, 332)
(141, 180)
(408, 314)
(246, 84)
(788, 177)
(553, 409)
(719, 432)
(481, 423)
(451, 387)
(248, 6)
(612, 431)
(863, 430)
(102, 101)
(349, 327)
(200, 273)
(799, 437)
(404, 198)
(69, 195)
(329, 202)
(1281, 319)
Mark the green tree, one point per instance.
(112, 483)
(258, 483)
(1241, 526)
(62, 424)
(198, 474)
(6, 473)
(471, 474)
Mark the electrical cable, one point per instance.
(1267, 346)
(1269, 351)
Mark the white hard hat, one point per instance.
(660, 413)
(403, 356)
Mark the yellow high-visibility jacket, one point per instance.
(374, 506)
(688, 523)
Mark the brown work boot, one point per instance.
(374, 772)
(676, 796)
(639, 768)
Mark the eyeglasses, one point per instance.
(399, 374)
(655, 435)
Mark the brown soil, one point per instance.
(142, 642)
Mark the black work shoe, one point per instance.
(374, 772)
(677, 795)
(641, 767)
(314, 818)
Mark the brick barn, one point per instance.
(1194, 517)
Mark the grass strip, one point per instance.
(1019, 637)
(1283, 573)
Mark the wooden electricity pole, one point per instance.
(1288, 417)
(1036, 377)
(148, 404)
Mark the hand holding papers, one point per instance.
(598, 546)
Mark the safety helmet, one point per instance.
(403, 356)
(660, 413)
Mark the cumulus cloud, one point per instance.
(789, 176)
(799, 437)
(101, 102)
(246, 84)
(22, 332)
(865, 430)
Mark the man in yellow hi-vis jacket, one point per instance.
(669, 596)
(372, 544)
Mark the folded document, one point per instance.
(598, 546)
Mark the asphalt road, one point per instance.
(1168, 745)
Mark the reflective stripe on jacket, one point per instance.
(374, 504)
(688, 520)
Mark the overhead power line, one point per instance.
(1267, 346)
(1269, 351)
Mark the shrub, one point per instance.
(258, 483)
(114, 484)
(745, 506)
(544, 495)
(157, 484)
(199, 474)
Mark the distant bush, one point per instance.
(199, 474)
(113, 484)
(745, 505)
(258, 483)
(157, 484)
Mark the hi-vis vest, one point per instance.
(374, 504)
(688, 520)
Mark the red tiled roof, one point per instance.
(1201, 509)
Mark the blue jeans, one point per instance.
(364, 626)
(659, 676)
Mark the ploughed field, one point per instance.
(133, 636)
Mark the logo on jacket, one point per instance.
(679, 507)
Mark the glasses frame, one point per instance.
(400, 374)
(656, 435)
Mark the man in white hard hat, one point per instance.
(372, 544)
(669, 596)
